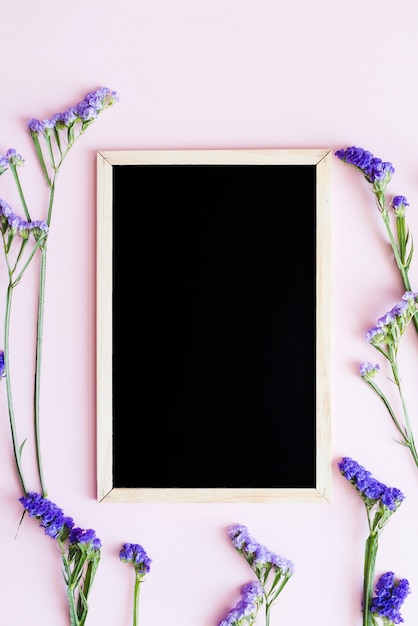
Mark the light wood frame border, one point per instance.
(321, 158)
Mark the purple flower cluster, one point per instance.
(2, 365)
(372, 491)
(88, 536)
(13, 223)
(399, 204)
(134, 553)
(368, 370)
(52, 518)
(56, 524)
(390, 327)
(376, 171)
(87, 110)
(12, 158)
(245, 611)
(390, 595)
(256, 554)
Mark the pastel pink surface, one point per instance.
(208, 75)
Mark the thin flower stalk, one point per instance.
(135, 554)
(381, 502)
(272, 571)
(378, 175)
(29, 237)
(58, 135)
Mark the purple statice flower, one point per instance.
(390, 326)
(134, 553)
(373, 492)
(368, 370)
(376, 171)
(38, 228)
(256, 554)
(390, 595)
(69, 116)
(245, 611)
(88, 536)
(399, 204)
(2, 365)
(4, 163)
(52, 518)
(35, 126)
(10, 221)
(14, 157)
(85, 111)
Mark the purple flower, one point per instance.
(80, 536)
(390, 326)
(373, 492)
(4, 164)
(2, 365)
(14, 157)
(398, 204)
(85, 111)
(368, 370)
(134, 553)
(245, 611)
(256, 554)
(52, 518)
(390, 595)
(35, 126)
(376, 171)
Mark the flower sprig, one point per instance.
(135, 554)
(80, 552)
(390, 328)
(272, 571)
(378, 174)
(24, 240)
(52, 138)
(380, 502)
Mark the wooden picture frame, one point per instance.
(299, 194)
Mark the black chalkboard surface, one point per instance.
(214, 331)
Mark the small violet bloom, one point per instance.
(368, 370)
(4, 164)
(399, 204)
(2, 365)
(14, 157)
(245, 611)
(88, 536)
(134, 553)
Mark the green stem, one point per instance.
(20, 190)
(37, 390)
(16, 450)
(35, 138)
(136, 598)
(410, 436)
(368, 576)
(385, 401)
(402, 268)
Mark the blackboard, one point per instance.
(209, 362)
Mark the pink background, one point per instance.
(218, 74)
